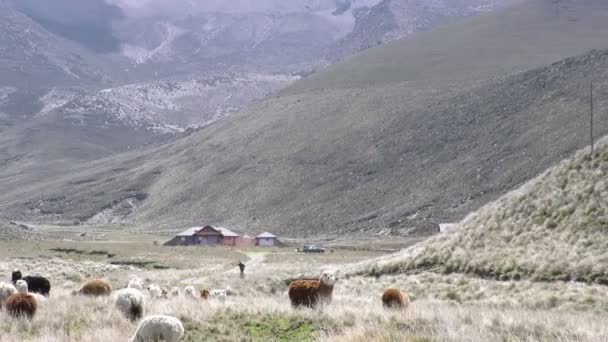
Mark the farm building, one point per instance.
(206, 236)
(266, 240)
(245, 241)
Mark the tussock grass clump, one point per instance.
(554, 228)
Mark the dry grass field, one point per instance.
(446, 307)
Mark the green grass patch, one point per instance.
(282, 329)
(229, 325)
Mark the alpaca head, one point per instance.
(16, 276)
(205, 293)
(189, 290)
(21, 286)
(327, 278)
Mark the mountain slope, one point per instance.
(356, 152)
(515, 39)
(552, 228)
(117, 75)
(395, 19)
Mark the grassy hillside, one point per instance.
(552, 228)
(377, 143)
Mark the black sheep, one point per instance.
(35, 284)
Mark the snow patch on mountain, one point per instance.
(140, 55)
(58, 97)
(165, 107)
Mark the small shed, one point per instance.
(245, 241)
(266, 239)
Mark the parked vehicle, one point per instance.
(313, 249)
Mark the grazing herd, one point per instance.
(21, 299)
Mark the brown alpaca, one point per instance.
(21, 304)
(95, 288)
(205, 294)
(309, 293)
(395, 299)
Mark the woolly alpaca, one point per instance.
(190, 291)
(6, 290)
(21, 304)
(309, 293)
(219, 295)
(95, 288)
(131, 303)
(155, 291)
(136, 283)
(175, 292)
(35, 284)
(205, 294)
(395, 299)
(158, 327)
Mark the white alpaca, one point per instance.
(6, 290)
(158, 327)
(175, 292)
(130, 302)
(219, 295)
(136, 283)
(22, 287)
(155, 291)
(190, 291)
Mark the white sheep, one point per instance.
(6, 290)
(130, 302)
(136, 283)
(175, 292)
(158, 327)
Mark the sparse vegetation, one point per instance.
(551, 229)
(446, 307)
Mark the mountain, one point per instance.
(49, 49)
(392, 141)
(33, 60)
(80, 82)
(395, 19)
(551, 228)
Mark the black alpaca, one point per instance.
(35, 284)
